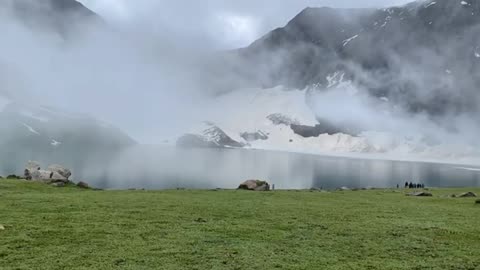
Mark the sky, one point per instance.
(219, 24)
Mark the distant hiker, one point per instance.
(273, 187)
(423, 185)
(410, 185)
(406, 184)
(398, 186)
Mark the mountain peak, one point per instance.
(59, 15)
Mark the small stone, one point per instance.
(2, 228)
(467, 195)
(420, 194)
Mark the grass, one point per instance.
(70, 228)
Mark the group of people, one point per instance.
(414, 185)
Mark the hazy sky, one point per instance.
(214, 23)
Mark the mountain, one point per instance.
(398, 82)
(423, 56)
(62, 16)
(49, 135)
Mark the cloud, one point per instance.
(215, 23)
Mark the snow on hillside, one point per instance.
(259, 119)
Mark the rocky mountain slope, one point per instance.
(424, 56)
(398, 81)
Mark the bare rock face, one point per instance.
(255, 185)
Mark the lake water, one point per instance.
(154, 167)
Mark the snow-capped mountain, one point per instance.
(423, 56)
(282, 119)
(399, 82)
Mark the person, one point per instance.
(410, 185)
(406, 184)
(398, 186)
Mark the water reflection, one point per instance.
(155, 167)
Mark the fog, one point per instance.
(145, 72)
(215, 23)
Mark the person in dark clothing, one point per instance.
(406, 184)
(410, 185)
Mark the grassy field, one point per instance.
(70, 228)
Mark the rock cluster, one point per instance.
(255, 185)
(54, 174)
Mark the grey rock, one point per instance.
(60, 170)
(82, 184)
(467, 195)
(420, 194)
(33, 166)
(48, 176)
(255, 185)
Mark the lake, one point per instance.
(157, 167)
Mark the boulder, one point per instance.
(83, 185)
(60, 170)
(33, 166)
(477, 201)
(54, 173)
(48, 176)
(420, 194)
(256, 185)
(467, 195)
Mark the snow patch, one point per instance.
(346, 41)
(430, 4)
(30, 129)
(55, 143)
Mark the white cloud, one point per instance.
(217, 23)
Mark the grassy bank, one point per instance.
(70, 228)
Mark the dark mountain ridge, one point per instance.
(63, 16)
(424, 55)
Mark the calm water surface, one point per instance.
(168, 167)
